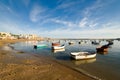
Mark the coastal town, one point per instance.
(6, 35)
(59, 39)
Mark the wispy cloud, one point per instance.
(102, 33)
(108, 30)
(36, 12)
(7, 10)
(66, 23)
(83, 22)
(67, 4)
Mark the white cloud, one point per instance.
(102, 33)
(67, 4)
(66, 23)
(35, 12)
(13, 27)
(112, 31)
(83, 22)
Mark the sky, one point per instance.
(61, 18)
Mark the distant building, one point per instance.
(5, 35)
(28, 36)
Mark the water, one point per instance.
(105, 66)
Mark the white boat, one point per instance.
(58, 47)
(58, 50)
(82, 55)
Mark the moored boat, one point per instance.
(82, 55)
(58, 47)
(71, 43)
(103, 48)
(40, 45)
(95, 43)
(58, 50)
(55, 44)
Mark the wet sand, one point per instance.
(17, 65)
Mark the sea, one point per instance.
(105, 66)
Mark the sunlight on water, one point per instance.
(104, 65)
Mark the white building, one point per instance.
(5, 35)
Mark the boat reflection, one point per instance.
(79, 62)
(58, 50)
(103, 53)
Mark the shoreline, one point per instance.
(12, 61)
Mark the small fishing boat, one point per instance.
(58, 50)
(103, 48)
(82, 55)
(58, 47)
(55, 44)
(40, 46)
(95, 43)
(71, 43)
(110, 43)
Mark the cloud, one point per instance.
(104, 32)
(83, 22)
(15, 28)
(35, 12)
(67, 4)
(66, 23)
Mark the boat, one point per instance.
(58, 50)
(82, 55)
(110, 43)
(95, 43)
(81, 42)
(58, 47)
(40, 46)
(103, 48)
(71, 43)
(55, 44)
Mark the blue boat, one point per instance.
(40, 46)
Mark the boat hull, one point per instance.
(58, 47)
(83, 56)
(102, 49)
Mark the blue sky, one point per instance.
(61, 18)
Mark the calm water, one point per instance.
(106, 66)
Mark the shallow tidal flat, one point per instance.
(17, 65)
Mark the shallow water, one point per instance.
(106, 66)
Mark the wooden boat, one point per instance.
(40, 46)
(82, 55)
(55, 44)
(110, 43)
(103, 48)
(58, 47)
(58, 50)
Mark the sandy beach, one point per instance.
(17, 65)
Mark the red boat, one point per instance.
(55, 44)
